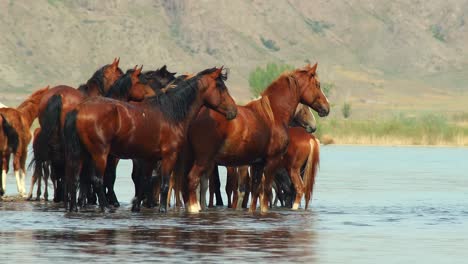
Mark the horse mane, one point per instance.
(97, 79)
(262, 106)
(120, 89)
(286, 75)
(175, 103)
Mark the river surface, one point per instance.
(370, 205)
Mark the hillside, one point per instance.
(380, 54)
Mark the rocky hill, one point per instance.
(380, 54)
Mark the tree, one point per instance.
(346, 109)
(260, 78)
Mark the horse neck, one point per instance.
(90, 89)
(283, 96)
(29, 111)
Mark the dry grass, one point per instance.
(427, 129)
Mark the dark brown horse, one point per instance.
(54, 106)
(257, 137)
(20, 119)
(151, 130)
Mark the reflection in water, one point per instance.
(402, 205)
(218, 236)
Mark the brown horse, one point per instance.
(303, 153)
(151, 130)
(257, 137)
(238, 179)
(126, 88)
(52, 110)
(20, 120)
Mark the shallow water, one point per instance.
(370, 205)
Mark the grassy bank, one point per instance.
(400, 129)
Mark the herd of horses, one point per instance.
(176, 130)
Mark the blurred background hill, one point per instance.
(380, 56)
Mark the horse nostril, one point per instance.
(231, 115)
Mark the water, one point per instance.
(371, 205)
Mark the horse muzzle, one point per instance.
(324, 112)
(310, 129)
(230, 115)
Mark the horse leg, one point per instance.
(33, 182)
(193, 181)
(136, 178)
(3, 176)
(100, 162)
(203, 189)
(17, 170)
(298, 186)
(229, 185)
(212, 187)
(109, 180)
(46, 182)
(24, 155)
(266, 193)
(257, 173)
(167, 165)
(247, 186)
(38, 191)
(217, 187)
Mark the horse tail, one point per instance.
(50, 128)
(180, 174)
(311, 168)
(72, 148)
(11, 135)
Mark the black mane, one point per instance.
(98, 79)
(157, 79)
(120, 89)
(175, 103)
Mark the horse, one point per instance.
(150, 130)
(20, 119)
(53, 107)
(304, 118)
(257, 137)
(127, 88)
(152, 82)
(301, 159)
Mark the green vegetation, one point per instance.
(318, 27)
(427, 129)
(327, 88)
(269, 44)
(260, 78)
(346, 109)
(437, 32)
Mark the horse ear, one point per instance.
(164, 68)
(117, 62)
(217, 72)
(139, 70)
(313, 70)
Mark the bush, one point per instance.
(260, 78)
(346, 110)
(269, 44)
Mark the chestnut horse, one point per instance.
(125, 88)
(257, 137)
(238, 180)
(52, 110)
(20, 120)
(302, 158)
(151, 130)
